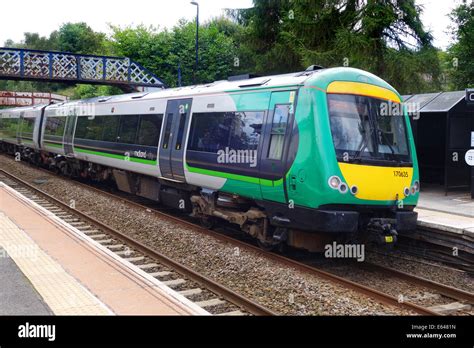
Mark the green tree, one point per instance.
(91, 91)
(460, 57)
(147, 46)
(80, 38)
(34, 41)
(163, 52)
(385, 37)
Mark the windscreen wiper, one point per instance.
(364, 144)
(386, 139)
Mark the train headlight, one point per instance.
(334, 182)
(343, 188)
(354, 190)
(406, 191)
(416, 185)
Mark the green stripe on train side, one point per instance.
(119, 157)
(59, 146)
(250, 179)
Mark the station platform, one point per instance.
(450, 213)
(47, 267)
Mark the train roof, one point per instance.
(292, 79)
(22, 109)
(217, 87)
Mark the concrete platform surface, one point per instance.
(17, 294)
(75, 275)
(457, 203)
(449, 213)
(446, 222)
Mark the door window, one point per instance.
(169, 123)
(277, 136)
(179, 140)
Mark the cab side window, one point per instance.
(277, 135)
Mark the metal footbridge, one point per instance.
(48, 66)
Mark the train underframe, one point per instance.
(272, 224)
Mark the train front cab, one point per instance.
(365, 181)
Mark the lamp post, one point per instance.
(197, 39)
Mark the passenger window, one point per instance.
(150, 129)
(211, 132)
(94, 128)
(55, 126)
(247, 130)
(166, 139)
(110, 128)
(81, 127)
(128, 129)
(277, 136)
(9, 127)
(27, 125)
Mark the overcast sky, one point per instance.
(44, 16)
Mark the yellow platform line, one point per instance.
(61, 292)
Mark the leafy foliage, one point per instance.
(291, 35)
(79, 38)
(460, 57)
(164, 52)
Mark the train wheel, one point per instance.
(66, 169)
(267, 246)
(207, 222)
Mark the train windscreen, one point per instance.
(365, 128)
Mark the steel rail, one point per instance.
(445, 290)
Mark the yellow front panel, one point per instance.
(377, 183)
(345, 87)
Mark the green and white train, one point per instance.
(298, 159)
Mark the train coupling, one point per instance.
(382, 232)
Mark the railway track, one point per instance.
(438, 246)
(466, 299)
(206, 293)
(437, 288)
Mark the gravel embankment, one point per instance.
(401, 289)
(435, 271)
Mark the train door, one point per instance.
(276, 132)
(19, 132)
(69, 133)
(172, 143)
